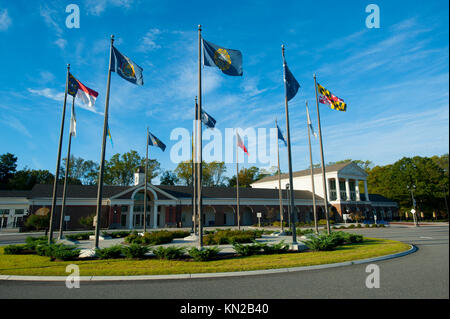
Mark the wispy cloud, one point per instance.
(5, 20)
(148, 41)
(16, 124)
(97, 7)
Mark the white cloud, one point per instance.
(5, 20)
(61, 43)
(148, 41)
(97, 7)
(15, 124)
(50, 19)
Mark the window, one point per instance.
(4, 211)
(19, 211)
(124, 209)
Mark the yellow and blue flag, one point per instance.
(156, 142)
(227, 60)
(126, 68)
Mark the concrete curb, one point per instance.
(209, 275)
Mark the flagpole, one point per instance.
(193, 184)
(63, 205)
(325, 197)
(312, 171)
(145, 187)
(291, 183)
(237, 187)
(102, 160)
(279, 181)
(55, 183)
(199, 142)
(194, 170)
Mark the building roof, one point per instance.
(230, 192)
(305, 172)
(180, 192)
(14, 193)
(376, 198)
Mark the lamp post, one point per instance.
(413, 211)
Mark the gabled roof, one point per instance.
(376, 198)
(306, 172)
(75, 191)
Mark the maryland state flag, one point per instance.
(325, 97)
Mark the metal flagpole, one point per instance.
(63, 205)
(145, 186)
(291, 183)
(55, 183)
(279, 181)
(312, 170)
(194, 171)
(237, 188)
(102, 160)
(199, 142)
(325, 196)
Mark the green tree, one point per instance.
(8, 165)
(184, 173)
(169, 178)
(83, 171)
(365, 165)
(120, 169)
(246, 177)
(25, 179)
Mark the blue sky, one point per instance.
(394, 79)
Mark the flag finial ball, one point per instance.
(200, 27)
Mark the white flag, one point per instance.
(73, 122)
(309, 123)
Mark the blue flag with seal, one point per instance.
(280, 135)
(290, 82)
(208, 120)
(227, 60)
(126, 68)
(156, 142)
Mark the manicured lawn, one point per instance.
(42, 266)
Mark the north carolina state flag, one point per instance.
(240, 143)
(78, 89)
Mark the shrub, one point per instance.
(354, 238)
(228, 236)
(205, 254)
(117, 234)
(79, 236)
(358, 226)
(279, 248)
(32, 242)
(14, 249)
(38, 222)
(381, 225)
(58, 251)
(110, 252)
(321, 242)
(324, 222)
(135, 251)
(151, 238)
(248, 250)
(180, 234)
(87, 221)
(351, 226)
(302, 232)
(169, 253)
(367, 225)
(65, 253)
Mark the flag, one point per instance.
(156, 142)
(208, 120)
(290, 82)
(228, 60)
(73, 122)
(325, 97)
(280, 135)
(126, 68)
(78, 89)
(240, 143)
(310, 124)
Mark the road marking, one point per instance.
(426, 237)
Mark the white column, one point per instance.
(366, 191)
(358, 197)
(347, 189)
(338, 189)
(130, 217)
(155, 215)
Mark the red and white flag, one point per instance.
(78, 89)
(240, 143)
